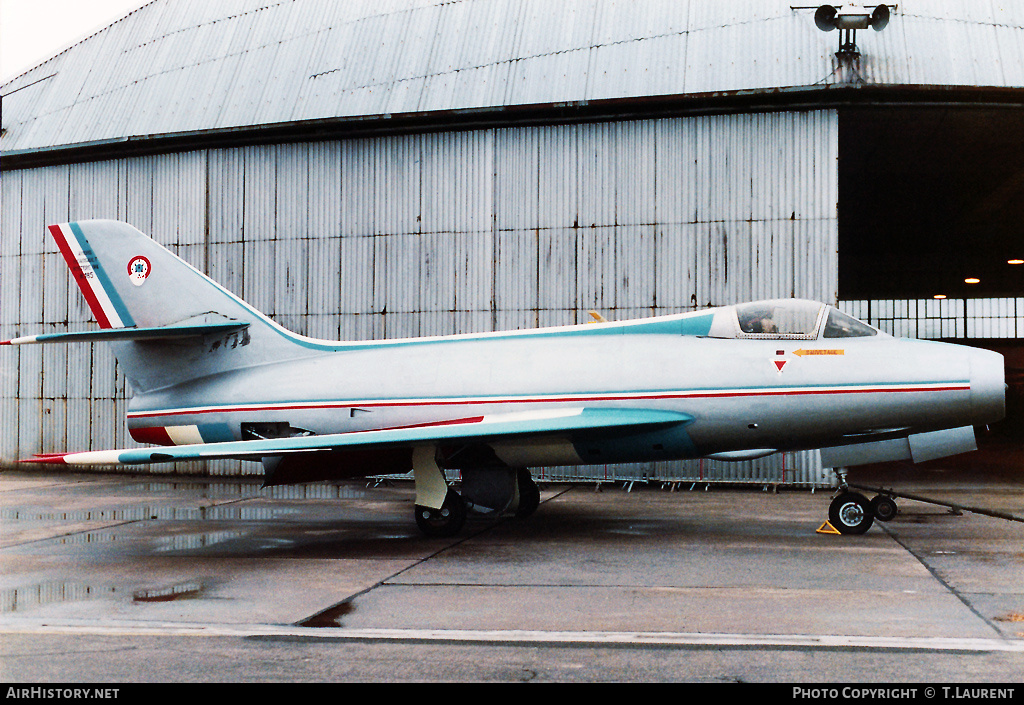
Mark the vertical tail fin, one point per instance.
(131, 282)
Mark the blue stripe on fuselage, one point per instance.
(667, 325)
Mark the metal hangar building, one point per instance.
(400, 168)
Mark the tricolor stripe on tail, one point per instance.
(107, 306)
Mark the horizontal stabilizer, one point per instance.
(171, 332)
(571, 422)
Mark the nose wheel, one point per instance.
(850, 513)
(883, 507)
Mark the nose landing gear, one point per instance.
(852, 512)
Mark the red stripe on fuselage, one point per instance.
(428, 424)
(536, 400)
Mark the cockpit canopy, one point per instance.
(787, 319)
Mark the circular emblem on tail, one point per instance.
(138, 270)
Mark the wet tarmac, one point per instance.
(112, 578)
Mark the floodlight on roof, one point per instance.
(848, 19)
(828, 17)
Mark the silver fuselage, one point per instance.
(742, 393)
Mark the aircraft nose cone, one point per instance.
(988, 386)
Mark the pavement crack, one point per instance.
(946, 584)
(330, 616)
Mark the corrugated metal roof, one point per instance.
(177, 66)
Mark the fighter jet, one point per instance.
(212, 377)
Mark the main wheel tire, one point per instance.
(443, 522)
(529, 495)
(850, 513)
(883, 507)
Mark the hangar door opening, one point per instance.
(931, 227)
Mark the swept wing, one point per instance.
(577, 422)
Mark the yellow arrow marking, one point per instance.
(825, 351)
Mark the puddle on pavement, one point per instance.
(227, 511)
(191, 588)
(228, 490)
(206, 489)
(56, 592)
(52, 592)
(182, 501)
(179, 542)
(87, 538)
(191, 542)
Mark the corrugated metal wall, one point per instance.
(430, 234)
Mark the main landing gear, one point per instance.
(852, 512)
(446, 520)
(528, 494)
(440, 511)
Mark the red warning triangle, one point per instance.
(780, 364)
